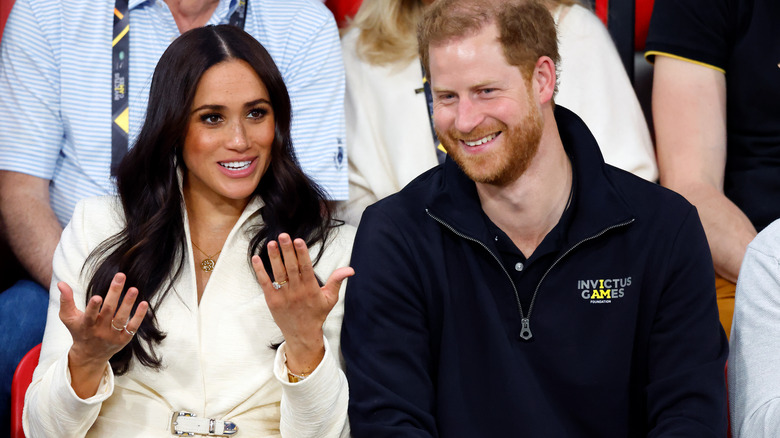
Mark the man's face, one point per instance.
(485, 112)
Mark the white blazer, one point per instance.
(217, 359)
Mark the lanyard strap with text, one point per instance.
(120, 120)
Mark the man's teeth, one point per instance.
(481, 140)
(235, 165)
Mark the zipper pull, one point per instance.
(525, 331)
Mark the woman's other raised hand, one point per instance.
(297, 302)
(102, 330)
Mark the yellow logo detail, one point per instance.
(122, 120)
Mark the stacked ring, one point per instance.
(278, 285)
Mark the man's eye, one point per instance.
(445, 97)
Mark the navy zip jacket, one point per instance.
(626, 338)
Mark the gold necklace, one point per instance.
(208, 263)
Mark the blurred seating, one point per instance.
(628, 22)
(342, 10)
(5, 9)
(22, 379)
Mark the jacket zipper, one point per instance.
(525, 321)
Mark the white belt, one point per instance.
(186, 423)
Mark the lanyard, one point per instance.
(120, 65)
(441, 153)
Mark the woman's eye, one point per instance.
(211, 119)
(257, 113)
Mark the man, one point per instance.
(57, 85)
(717, 121)
(524, 287)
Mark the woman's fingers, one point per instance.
(304, 260)
(68, 311)
(260, 273)
(111, 302)
(277, 266)
(137, 319)
(333, 285)
(292, 270)
(122, 316)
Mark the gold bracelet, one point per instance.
(295, 378)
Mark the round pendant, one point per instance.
(207, 265)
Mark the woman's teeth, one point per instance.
(235, 165)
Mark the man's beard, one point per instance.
(499, 166)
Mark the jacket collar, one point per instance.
(597, 202)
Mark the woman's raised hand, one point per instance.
(102, 330)
(297, 302)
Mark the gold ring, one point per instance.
(278, 285)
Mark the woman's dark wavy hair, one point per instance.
(151, 249)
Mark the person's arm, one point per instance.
(754, 363)
(386, 338)
(31, 228)
(689, 112)
(687, 349)
(67, 392)
(31, 135)
(316, 406)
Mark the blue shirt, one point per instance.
(55, 85)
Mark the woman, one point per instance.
(160, 325)
(389, 132)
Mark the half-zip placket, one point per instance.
(525, 321)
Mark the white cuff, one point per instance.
(104, 391)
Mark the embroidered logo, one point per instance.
(603, 290)
(338, 157)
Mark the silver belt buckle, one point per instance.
(186, 423)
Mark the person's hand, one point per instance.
(102, 329)
(297, 302)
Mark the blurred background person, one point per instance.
(717, 121)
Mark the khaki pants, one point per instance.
(724, 290)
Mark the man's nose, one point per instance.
(468, 116)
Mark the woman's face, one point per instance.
(227, 148)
